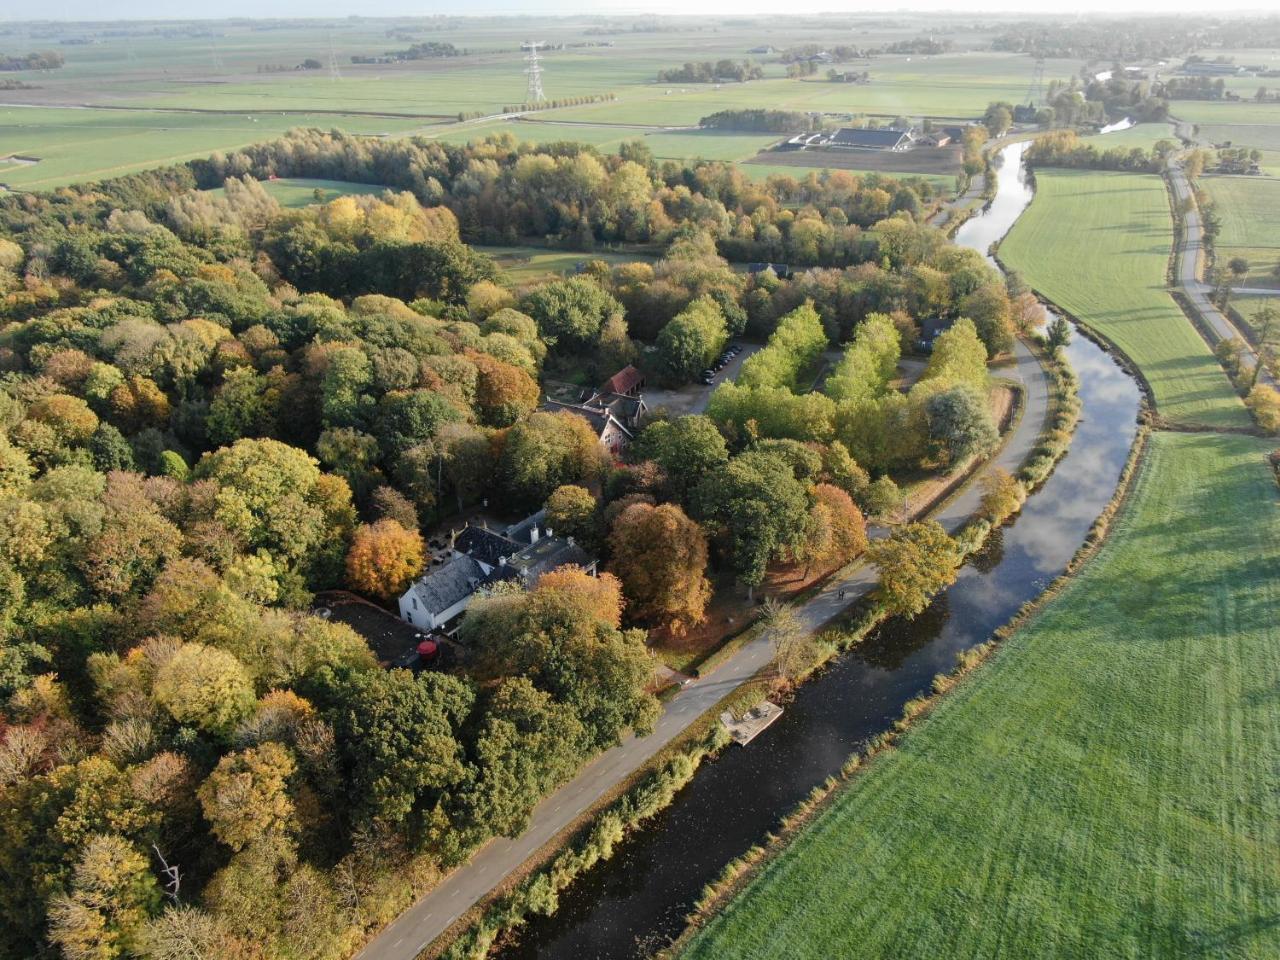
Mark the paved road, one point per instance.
(421, 923)
(694, 397)
(1187, 271)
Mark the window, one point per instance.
(415, 603)
(409, 617)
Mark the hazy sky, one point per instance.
(172, 9)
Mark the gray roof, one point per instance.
(547, 554)
(857, 137)
(442, 588)
(487, 546)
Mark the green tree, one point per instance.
(760, 507)
(960, 425)
(396, 739)
(571, 512)
(959, 356)
(690, 341)
(546, 451)
(572, 311)
(686, 448)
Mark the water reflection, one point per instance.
(632, 904)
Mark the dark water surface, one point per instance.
(634, 903)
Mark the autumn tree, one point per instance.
(504, 393)
(111, 895)
(571, 512)
(204, 687)
(1001, 495)
(959, 424)
(384, 558)
(661, 557)
(246, 799)
(835, 531)
(915, 562)
(691, 341)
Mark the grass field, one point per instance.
(525, 264)
(76, 145)
(295, 192)
(1098, 245)
(1248, 308)
(1105, 787)
(249, 73)
(1249, 208)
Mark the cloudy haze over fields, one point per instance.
(142, 9)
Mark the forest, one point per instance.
(212, 407)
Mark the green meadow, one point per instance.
(1098, 245)
(77, 145)
(1104, 787)
(1249, 208)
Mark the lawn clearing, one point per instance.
(297, 192)
(528, 264)
(1098, 245)
(1249, 208)
(1105, 787)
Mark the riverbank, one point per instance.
(1100, 781)
(634, 903)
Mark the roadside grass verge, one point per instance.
(1103, 787)
(1098, 245)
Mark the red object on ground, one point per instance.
(427, 648)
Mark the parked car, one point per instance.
(708, 378)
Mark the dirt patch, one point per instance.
(923, 160)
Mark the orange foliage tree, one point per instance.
(383, 559)
(661, 556)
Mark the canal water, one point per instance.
(634, 903)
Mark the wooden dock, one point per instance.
(751, 724)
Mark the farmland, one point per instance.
(199, 89)
(1102, 788)
(1249, 308)
(1249, 208)
(74, 145)
(1098, 245)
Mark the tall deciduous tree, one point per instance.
(915, 562)
(661, 557)
(690, 341)
(384, 558)
(111, 896)
(686, 448)
(246, 797)
(760, 507)
(205, 687)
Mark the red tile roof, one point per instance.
(624, 381)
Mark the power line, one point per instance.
(533, 92)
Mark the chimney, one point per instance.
(533, 533)
(502, 561)
(550, 532)
(571, 541)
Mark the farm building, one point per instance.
(479, 556)
(856, 138)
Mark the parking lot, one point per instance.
(693, 397)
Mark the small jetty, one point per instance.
(751, 724)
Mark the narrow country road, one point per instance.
(1187, 269)
(432, 915)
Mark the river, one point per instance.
(633, 904)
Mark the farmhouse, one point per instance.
(479, 556)
(615, 409)
(857, 138)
